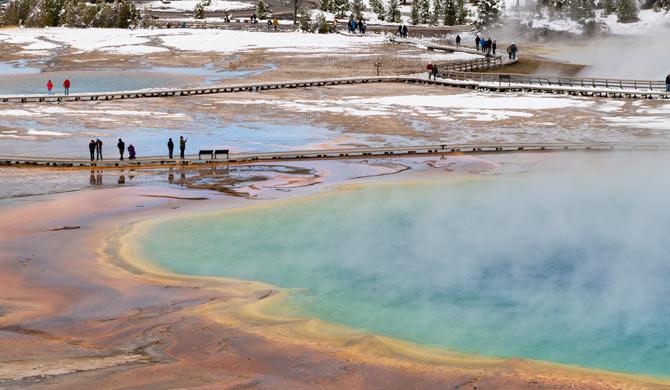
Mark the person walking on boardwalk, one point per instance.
(182, 146)
(98, 148)
(170, 147)
(91, 148)
(66, 86)
(434, 72)
(489, 45)
(667, 83)
(400, 31)
(477, 40)
(458, 40)
(131, 152)
(50, 86)
(494, 46)
(122, 148)
(512, 51)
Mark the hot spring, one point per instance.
(567, 265)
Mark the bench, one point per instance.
(213, 153)
(210, 152)
(221, 151)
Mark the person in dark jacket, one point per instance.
(667, 83)
(98, 149)
(489, 45)
(513, 51)
(131, 152)
(404, 31)
(477, 40)
(434, 72)
(170, 147)
(182, 147)
(494, 46)
(400, 31)
(458, 40)
(91, 148)
(122, 148)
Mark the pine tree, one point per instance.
(326, 5)
(340, 8)
(437, 12)
(262, 9)
(357, 8)
(583, 11)
(450, 13)
(414, 14)
(393, 12)
(425, 11)
(461, 12)
(626, 11)
(323, 27)
(305, 20)
(489, 12)
(378, 8)
(608, 7)
(199, 10)
(50, 12)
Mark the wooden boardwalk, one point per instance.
(480, 81)
(372, 152)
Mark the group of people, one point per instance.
(66, 87)
(353, 25)
(95, 148)
(486, 46)
(402, 31)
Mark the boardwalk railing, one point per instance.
(476, 64)
(558, 81)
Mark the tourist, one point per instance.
(254, 19)
(494, 46)
(352, 26)
(275, 23)
(435, 72)
(404, 31)
(182, 147)
(170, 147)
(361, 26)
(91, 148)
(131, 152)
(122, 148)
(66, 86)
(400, 31)
(429, 68)
(667, 83)
(477, 40)
(512, 51)
(458, 40)
(489, 45)
(50, 86)
(98, 148)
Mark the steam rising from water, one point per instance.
(571, 265)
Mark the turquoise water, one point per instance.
(570, 267)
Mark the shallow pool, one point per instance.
(569, 266)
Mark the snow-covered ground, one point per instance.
(189, 5)
(130, 42)
(649, 20)
(473, 106)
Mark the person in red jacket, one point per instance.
(50, 86)
(66, 86)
